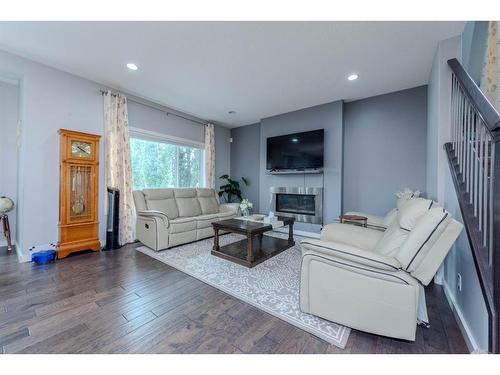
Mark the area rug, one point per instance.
(272, 286)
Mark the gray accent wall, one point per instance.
(328, 117)
(245, 160)
(384, 149)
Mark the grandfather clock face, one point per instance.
(81, 149)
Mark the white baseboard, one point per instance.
(470, 340)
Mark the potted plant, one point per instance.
(246, 207)
(230, 191)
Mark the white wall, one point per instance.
(438, 106)
(156, 120)
(9, 105)
(49, 100)
(468, 304)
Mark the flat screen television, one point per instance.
(295, 151)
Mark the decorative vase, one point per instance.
(246, 212)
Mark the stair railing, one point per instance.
(474, 137)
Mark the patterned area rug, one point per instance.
(272, 286)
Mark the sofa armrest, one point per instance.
(374, 220)
(155, 214)
(352, 235)
(339, 251)
(229, 207)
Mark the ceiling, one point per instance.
(257, 69)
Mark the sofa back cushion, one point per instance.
(187, 202)
(392, 240)
(390, 217)
(397, 232)
(405, 196)
(428, 265)
(422, 238)
(161, 200)
(139, 200)
(208, 201)
(411, 211)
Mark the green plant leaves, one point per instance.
(231, 188)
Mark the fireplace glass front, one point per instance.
(302, 204)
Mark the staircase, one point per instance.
(475, 168)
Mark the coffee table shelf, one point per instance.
(254, 249)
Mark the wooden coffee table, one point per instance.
(256, 247)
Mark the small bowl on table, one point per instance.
(258, 217)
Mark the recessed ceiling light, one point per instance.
(132, 66)
(352, 77)
(232, 112)
(295, 140)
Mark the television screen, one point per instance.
(296, 151)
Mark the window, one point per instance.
(159, 164)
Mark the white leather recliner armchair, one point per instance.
(373, 280)
(383, 222)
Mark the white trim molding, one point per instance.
(155, 136)
(299, 232)
(470, 340)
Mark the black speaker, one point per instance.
(113, 225)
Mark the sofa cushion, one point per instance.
(182, 224)
(423, 236)
(225, 215)
(205, 221)
(208, 205)
(405, 196)
(390, 217)
(184, 193)
(187, 202)
(411, 211)
(392, 240)
(161, 200)
(205, 192)
(208, 201)
(140, 202)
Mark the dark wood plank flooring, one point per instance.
(126, 302)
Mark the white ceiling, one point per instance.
(257, 69)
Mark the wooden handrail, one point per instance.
(475, 131)
(484, 108)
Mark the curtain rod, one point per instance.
(103, 92)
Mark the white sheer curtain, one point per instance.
(490, 78)
(210, 156)
(118, 166)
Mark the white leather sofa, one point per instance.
(371, 280)
(383, 222)
(171, 217)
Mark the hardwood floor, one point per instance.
(126, 302)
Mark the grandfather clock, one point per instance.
(78, 193)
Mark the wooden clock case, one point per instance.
(78, 193)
